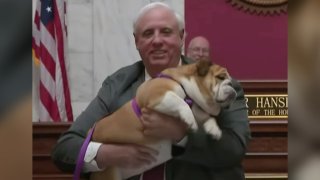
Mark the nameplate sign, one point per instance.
(267, 106)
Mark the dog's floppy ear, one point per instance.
(221, 72)
(203, 67)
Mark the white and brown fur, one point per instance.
(209, 86)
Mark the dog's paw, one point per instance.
(212, 128)
(189, 119)
(193, 126)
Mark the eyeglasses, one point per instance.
(198, 49)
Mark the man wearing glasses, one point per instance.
(199, 48)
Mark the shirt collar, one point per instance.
(147, 75)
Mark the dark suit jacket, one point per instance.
(203, 158)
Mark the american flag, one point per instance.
(48, 40)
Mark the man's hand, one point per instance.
(124, 155)
(163, 126)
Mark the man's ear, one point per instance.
(136, 41)
(183, 37)
(182, 34)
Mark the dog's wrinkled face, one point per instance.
(208, 85)
(224, 92)
(215, 85)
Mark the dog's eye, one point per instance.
(221, 77)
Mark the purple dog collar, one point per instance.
(161, 75)
(187, 99)
(136, 107)
(80, 159)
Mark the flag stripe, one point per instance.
(48, 62)
(49, 103)
(48, 41)
(43, 114)
(37, 17)
(47, 81)
(36, 38)
(60, 37)
(37, 20)
(50, 27)
(60, 93)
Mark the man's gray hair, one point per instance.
(153, 5)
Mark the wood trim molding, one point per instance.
(264, 176)
(269, 126)
(266, 126)
(49, 127)
(249, 176)
(264, 86)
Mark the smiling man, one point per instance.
(159, 36)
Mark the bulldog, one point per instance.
(209, 88)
